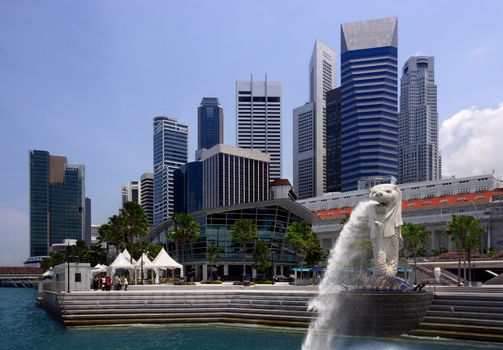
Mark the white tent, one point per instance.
(98, 269)
(126, 254)
(120, 262)
(164, 261)
(147, 264)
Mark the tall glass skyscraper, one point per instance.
(258, 111)
(57, 201)
(210, 123)
(170, 152)
(334, 140)
(419, 155)
(309, 126)
(369, 101)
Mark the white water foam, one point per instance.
(322, 330)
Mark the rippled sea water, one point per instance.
(23, 325)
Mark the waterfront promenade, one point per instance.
(462, 313)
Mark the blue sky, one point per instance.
(85, 78)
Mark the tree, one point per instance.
(261, 256)
(186, 230)
(414, 236)
(79, 252)
(464, 231)
(300, 234)
(212, 255)
(243, 232)
(113, 233)
(135, 221)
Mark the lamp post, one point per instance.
(141, 265)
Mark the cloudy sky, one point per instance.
(85, 78)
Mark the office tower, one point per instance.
(147, 196)
(304, 165)
(334, 140)
(369, 118)
(87, 226)
(57, 201)
(309, 126)
(170, 152)
(210, 123)
(131, 192)
(258, 111)
(233, 175)
(419, 155)
(189, 187)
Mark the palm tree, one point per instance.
(414, 236)
(243, 232)
(464, 231)
(186, 229)
(136, 222)
(113, 232)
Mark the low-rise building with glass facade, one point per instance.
(272, 218)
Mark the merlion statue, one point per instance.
(385, 221)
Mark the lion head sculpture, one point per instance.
(389, 199)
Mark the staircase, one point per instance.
(474, 317)
(267, 308)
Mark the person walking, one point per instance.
(125, 283)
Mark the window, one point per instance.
(78, 277)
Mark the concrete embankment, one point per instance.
(462, 313)
(275, 308)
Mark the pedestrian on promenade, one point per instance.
(108, 283)
(96, 283)
(125, 283)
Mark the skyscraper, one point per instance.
(131, 192)
(419, 155)
(147, 196)
(170, 152)
(258, 111)
(210, 123)
(369, 99)
(334, 140)
(57, 201)
(309, 126)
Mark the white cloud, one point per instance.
(14, 235)
(472, 142)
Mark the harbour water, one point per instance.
(25, 326)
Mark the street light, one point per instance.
(141, 264)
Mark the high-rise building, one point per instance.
(57, 201)
(87, 225)
(304, 179)
(369, 100)
(334, 140)
(147, 196)
(189, 190)
(309, 126)
(131, 192)
(419, 155)
(210, 123)
(170, 152)
(233, 175)
(258, 111)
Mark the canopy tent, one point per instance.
(126, 255)
(145, 262)
(121, 262)
(48, 274)
(98, 269)
(164, 261)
